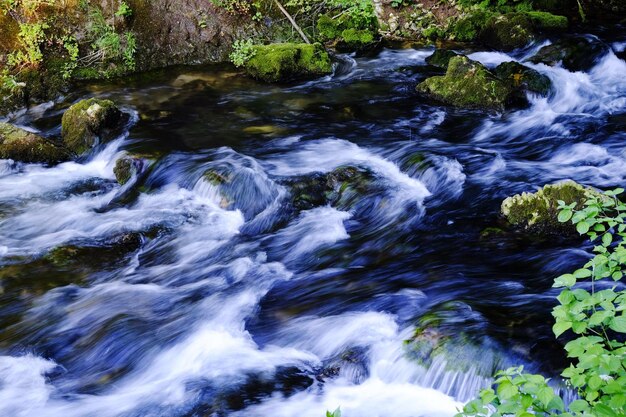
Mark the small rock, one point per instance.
(578, 53)
(520, 76)
(440, 58)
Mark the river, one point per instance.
(232, 301)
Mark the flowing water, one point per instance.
(180, 295)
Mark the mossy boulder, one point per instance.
(90, 122)
(537, 212)
(520, 76)
(507, 32)
(287, 61)
(355, 39)
(576, 53)
(469, 84)
(440, 58)
(24, 146)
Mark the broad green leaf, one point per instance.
(618, 324)
(560, 327)
(507, 390)
(565, 280)
(582, 227)
(565, 215)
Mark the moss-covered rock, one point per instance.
(24, 146)
(505, 31)
(88, 122)
(577, 53)
(440, 58)
(469, 84)
(520, 76)
(95, 254)
(286, 61)
(508, 31)
(537, 212)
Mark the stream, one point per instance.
(225, 299)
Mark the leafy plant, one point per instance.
(124, 10)
(591, 306)
(31, 36)
(71, 47)
(243, 51)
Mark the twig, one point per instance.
(293, 22)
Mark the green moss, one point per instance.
(548, 21)
(468, 84)
(519, 75)
(327, 28)
(537, 212)
(285, 61)
(84, 122)
(355, 39)
(21, 145)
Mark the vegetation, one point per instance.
(591, 309)
(243, 51)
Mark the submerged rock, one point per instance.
(469, 84)
(578, 53)
(520, 76)
(24, 146)
(88, 122)
(97, 254)
(441, 58)
(537, 212)
(339, 187)
(287, 61)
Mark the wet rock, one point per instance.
(24, 146)
(287, 61)
(469, 84)
(578, 53)
(340, 188)
(95, 254)
(537, 212)
(440, 58)
(89, 122)
(520, 76)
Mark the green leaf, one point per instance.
(578, 405)
(582, 273)
(618, 324)
(582, 227)
(565, 280)
(565, 215)
(506, 390)
(560, 327)
(607, 239)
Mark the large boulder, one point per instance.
(537, 212)
(469, 84)
(507, 32)
(90, 122)
(287, 61)
(576, 53)
(24, 146)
